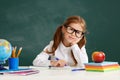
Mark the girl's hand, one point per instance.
(58, 63)
(75, 41)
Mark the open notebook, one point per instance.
(23, 71)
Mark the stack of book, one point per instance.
(102, 67)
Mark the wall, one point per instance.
(31, 24)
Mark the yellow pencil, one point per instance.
(19, 51)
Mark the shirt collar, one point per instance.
(64, 47)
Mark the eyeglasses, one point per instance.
(72, 30)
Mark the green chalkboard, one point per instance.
(31, 24)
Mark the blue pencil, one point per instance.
(78, 69)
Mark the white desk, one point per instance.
(62, 74)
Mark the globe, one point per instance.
(5, 50)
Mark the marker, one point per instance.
(78, 69)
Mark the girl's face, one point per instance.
(72, 34)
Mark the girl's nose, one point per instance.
(73, 33)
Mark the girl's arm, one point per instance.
(42, 58)
(80, 55)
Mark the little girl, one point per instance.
(67, 46)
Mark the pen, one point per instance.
(49, 58)
(78, 69)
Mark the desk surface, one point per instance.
(64, 74)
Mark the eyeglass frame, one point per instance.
(74, 30)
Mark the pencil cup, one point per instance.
(13, 63)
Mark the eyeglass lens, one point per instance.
(72, 30)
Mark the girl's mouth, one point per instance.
(71, 38)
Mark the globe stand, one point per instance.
(2, 67)
(5, 52)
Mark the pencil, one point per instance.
(80, 69)
(13, 53)
(19, 51)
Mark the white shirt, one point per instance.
(64, 53)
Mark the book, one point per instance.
(105, 70)
(105, 63)
(102, 67)
(21, 71)
(25, 72)
(10, 70)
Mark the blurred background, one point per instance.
(31, 24)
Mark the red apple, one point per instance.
(98, 56)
